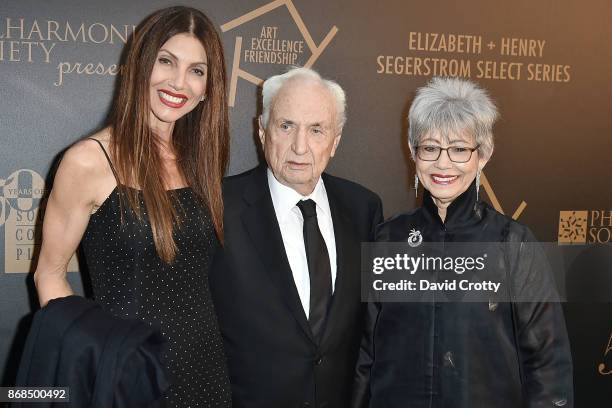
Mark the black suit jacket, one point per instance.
(272, 356)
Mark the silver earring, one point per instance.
(416, 185)
(477, 183)
(202, 98)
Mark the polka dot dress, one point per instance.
(130, 280)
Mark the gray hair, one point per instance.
(272, 85)
(453, 106)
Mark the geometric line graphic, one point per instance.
(491, 194)
(238, 72)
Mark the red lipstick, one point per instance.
(176, 95)
(172, 99)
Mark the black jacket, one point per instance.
(465, 355)
(104, 360)
(274, 362)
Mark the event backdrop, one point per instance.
(547, 64)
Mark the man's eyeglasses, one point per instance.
(455, 154)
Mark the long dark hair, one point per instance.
(200, 139)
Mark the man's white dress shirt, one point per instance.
(291, 223)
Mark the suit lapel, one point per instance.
(260, 222)
(347, 262)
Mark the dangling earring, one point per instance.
(416, 185)
(477, 183)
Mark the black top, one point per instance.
(130, 280)
(464, 355)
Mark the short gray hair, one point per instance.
(272, 85)
(452, 106)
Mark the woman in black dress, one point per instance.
(506, 353)
(144, 197)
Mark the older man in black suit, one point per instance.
(286, 285)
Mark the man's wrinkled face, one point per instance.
(302, 134)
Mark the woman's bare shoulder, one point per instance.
(86, 157)
(84, 164)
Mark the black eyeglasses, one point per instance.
(455, 154)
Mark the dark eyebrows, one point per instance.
(176, 58)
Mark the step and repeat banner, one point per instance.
(547, 64)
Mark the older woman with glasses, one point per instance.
(470, 354)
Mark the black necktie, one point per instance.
(319, 268)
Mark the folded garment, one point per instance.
(104, 360)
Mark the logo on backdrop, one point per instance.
(20, 200)
(272, 41)
(40, 42)
(20, 197)
(585, 227)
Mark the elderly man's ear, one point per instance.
(336, 143)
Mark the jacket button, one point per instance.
(319, 361)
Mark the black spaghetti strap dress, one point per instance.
(130, 280)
